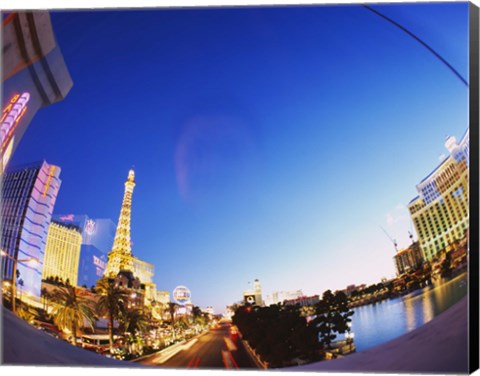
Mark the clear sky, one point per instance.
(268, 143)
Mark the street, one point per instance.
(215, 349)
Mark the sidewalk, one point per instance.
(439, 346)
(25, 345)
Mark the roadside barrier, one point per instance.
(254, 356)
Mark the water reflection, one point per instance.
(380, 322)
(427, 309)
(410, 314)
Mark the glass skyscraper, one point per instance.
(29, 193)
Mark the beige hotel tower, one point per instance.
(62, 252)
(440, 211)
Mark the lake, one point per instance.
(377, 323)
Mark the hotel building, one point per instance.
(97, 239)
(440, 211)
(162, 296)
(409, 259)
(144, 271)
(62, 252)
(277, 297)
(28, 197)
(34, 75)
(303, 301)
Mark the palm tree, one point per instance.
(111, 303)
(44, 298)
(46, 295)
(134, 323)
(70, 311)
(199, 317)
(172, 309)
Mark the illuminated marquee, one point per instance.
(49, 180)
(11, 115)
(182, 295)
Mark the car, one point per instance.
(234, 332)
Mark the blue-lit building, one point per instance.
(97, 240)
(28, 197)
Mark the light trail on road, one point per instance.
(215, 349)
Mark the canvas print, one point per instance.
(253, 187)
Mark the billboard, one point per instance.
(182, 295)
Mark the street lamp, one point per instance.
(14, 274)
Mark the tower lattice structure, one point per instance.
(120, 258)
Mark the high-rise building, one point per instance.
(28, 197)
(34, 75)
(62, 252)
(97, 239)
(120, 257)
(440, 211)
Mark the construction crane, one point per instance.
(392, 240)
(410, 235)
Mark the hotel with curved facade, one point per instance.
(28, 198)
(440, 211)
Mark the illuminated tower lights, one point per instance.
(120, 257)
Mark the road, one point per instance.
(213, 350)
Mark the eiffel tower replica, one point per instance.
(120, 265)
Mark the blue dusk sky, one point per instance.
(267, 143)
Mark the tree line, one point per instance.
(71, 310)
(284, 334)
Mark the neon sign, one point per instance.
(69, 217)
(49, 180)
(11, 115)
(99, 262)
(90, 227)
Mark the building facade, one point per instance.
(97, 240)
(440, 211)
(254, 297)
(34, 75)
(62, 252)
(278, 297)
(28, 198)
(144, 271)
(303, 301)
(162, 296)
(408, 259)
